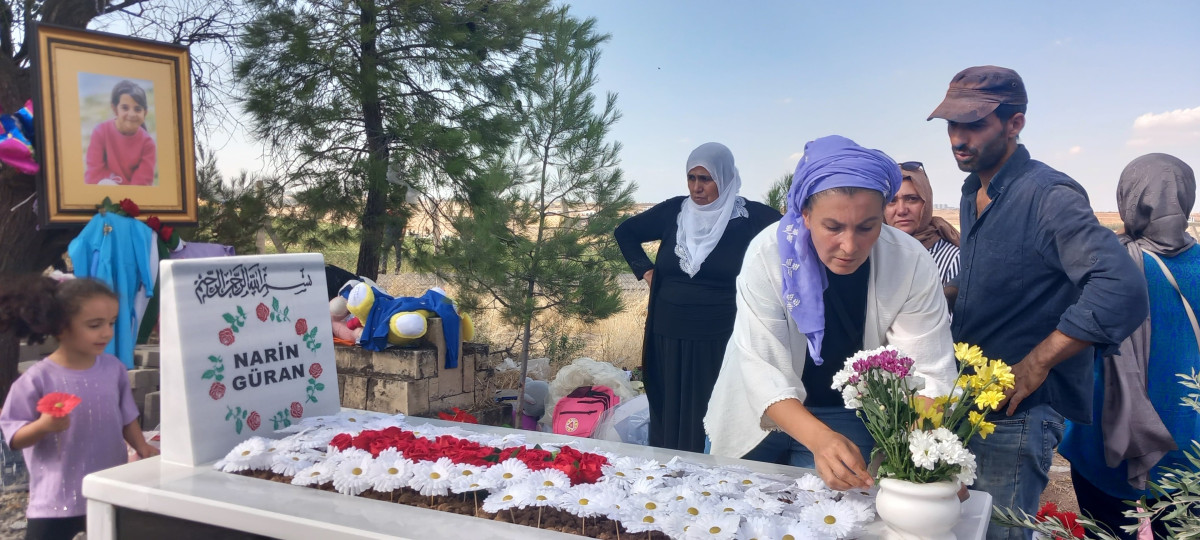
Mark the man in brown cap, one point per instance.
(1041, 285)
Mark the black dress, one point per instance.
(690, 319)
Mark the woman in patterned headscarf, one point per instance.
(702, 239)
(828, 281)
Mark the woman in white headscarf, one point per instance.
(703, 237)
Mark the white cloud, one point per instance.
(1075, 150)
(1169, 128)
(1062, 41)
(795, 157)
(786, 100)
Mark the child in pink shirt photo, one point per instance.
(122, 151)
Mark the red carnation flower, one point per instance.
(165, 233)
(315, 371)
(226, 336)
(297, 409)
(301, 326)
(341, 441)
(216, 391)
(153, 223)
(130, 208)
(254, 421)
(262, 311)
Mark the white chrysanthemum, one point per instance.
(829, 519)
(507, 472)
(317, 474)
(923, 448)
(862, 508)
(693, 507)
(394, 472)
(811, 482)
(290, 463)
(609, 499)
(250, 454)
(966, 472)
(549, 478)
(916, 383)
(646, 485)
(432, 477)
(613, 473)
(758, 527)
(680, 492)
(713, 526)
(734, 506)
(353, 476)
(649, 502)
(505, 498)
(852, 397)
(953, 452)
(843, 376)
(943, 436)
(389, 454)
(721, 487)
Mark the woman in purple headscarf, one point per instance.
(827, 281)
(690, 317)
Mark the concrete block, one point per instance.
(151, 411)
(468, 370)
(356, 360)
(462, 401)
(146, 356)
(143, 378)
(353, 390)
(450, 382)
(399, 363)
(392, 396)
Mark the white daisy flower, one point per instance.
(546, 496)
(693, 508)
(769, 504)
(862, 508)
(829, 519)
(811, 482)
(792, 529)
(353, 476)
(317, 474)
(290, 463)
(549, 478)
(507, 472)
(247, 455)
(758, 527)
(512, 496)
(393, 473)
(713, 526)
(646, 485)
(647, 502)
(734, 506)
(432, 477)
(608, 499)
(637, 520)
(923, 448)
(582, 501)
(389, 454)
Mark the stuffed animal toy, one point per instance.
(341, 320)
(533, 405)
(404, 320)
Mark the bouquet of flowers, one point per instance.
(923, 440)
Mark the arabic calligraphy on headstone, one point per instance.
(243, 281)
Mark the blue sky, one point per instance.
(1107, 82)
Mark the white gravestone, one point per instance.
(246, 349)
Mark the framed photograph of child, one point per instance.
(114, 119)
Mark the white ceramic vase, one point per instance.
(918, 511)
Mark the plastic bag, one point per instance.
(628, 422)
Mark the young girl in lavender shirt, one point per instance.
(61, 451)
(121, 151)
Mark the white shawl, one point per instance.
(906, 308)
(701, 227)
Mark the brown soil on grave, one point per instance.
(468, 505)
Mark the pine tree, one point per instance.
(535, 231)
(341, 90)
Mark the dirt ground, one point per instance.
(12, 515)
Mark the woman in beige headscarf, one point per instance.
(911, 210)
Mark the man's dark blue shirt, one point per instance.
(1037, 260)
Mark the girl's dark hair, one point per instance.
(34, 307)
(129, 87)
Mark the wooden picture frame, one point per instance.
(91, 91)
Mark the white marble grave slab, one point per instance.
(246, 349)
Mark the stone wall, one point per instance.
(411, 380)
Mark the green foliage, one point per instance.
(230, 213)
(347, 93)
(534, 230)
(776, 196)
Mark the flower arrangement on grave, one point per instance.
(923, 440)
(594, 494)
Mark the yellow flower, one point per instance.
(985, 428)
(1002, 373)
(989, 399)
(929, 411)
(970, 355)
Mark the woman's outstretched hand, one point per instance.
(839, 462)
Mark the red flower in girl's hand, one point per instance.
(57, 404)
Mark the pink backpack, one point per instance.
(577, 413)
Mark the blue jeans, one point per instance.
(1014, 462)
(782, 449)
